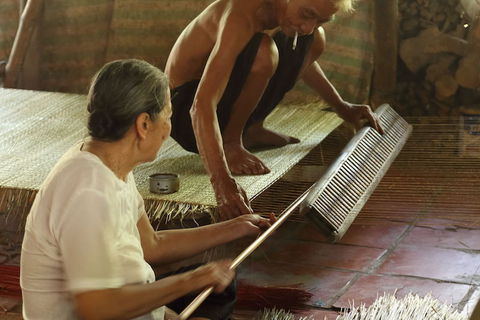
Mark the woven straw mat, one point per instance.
(38, 127)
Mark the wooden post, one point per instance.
(385, 55)
(476, 312)
(3, 63)
(28, 21)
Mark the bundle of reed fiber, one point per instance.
(10, 281)
(410, 307)
(277, 314)
(252, 297)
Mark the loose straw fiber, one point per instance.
(410, 307)
(38, 127)
(386, 307)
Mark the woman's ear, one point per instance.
(142, 124)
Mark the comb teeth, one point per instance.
(336, 199)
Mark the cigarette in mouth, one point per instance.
(294, 44)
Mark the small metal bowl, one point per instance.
(164, 183)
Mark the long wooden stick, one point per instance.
(187, 312)
(27, 25)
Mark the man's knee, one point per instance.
(266, 60)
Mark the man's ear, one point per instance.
(142, 124)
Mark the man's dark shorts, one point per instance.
(288, 69)
(218, 306)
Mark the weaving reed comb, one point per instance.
(335, 200)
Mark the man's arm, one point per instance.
(233, 34)
(315, 78)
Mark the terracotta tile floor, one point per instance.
(361, 290)
(419, 232)
(421, 260)
(320, 254)
(444, 237)
(434, 263)
(322, 283)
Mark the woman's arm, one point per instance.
(134, 300)
(165, 247)
(168, 246)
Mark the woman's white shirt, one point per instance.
(81, 234)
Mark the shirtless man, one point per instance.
(228, 70)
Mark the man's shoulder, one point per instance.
(238, 26)
(231, 17)
(320, 33)
(235, 13)
(319, 39)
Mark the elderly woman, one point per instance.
(88, 242)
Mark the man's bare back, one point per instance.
(192, 49)
(209, 59)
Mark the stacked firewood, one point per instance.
(439, 51)
(417, 15)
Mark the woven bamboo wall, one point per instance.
(78, 36)
(348, 57)
(73, 40)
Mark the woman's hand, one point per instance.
(216, 274)
(253, 224)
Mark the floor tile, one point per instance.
(467, 217)
(369, 287)
(301, 230)
(322, 283)
(315, 313)
(430, 221)
(434, 263)
(10, 304)
(10, 316)
(385, 207)
(472, 302)
(319, 254)
(380, 235)
(444, 236)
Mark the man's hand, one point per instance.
(355, 113)
(231, 199)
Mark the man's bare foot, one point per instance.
(258, 137)
(242, 162)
